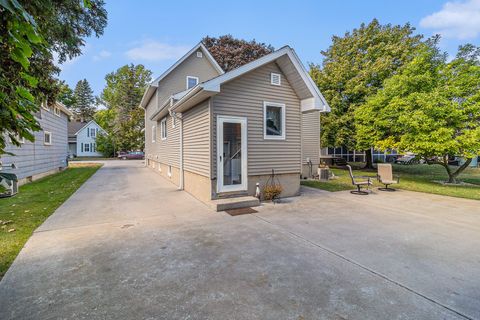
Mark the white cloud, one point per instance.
(152, 50)
(459, 19)
(102, 55)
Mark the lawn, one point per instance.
(33, 204)
(421, 178)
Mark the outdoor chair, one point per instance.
(386, 177)
(359, 182)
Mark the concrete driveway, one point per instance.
(128, 245)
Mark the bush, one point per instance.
(105, 145)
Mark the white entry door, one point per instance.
(231, 154)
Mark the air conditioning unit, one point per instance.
(323, 174)
(9, 184)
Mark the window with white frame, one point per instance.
(154, 133)
(275, 79)
(93, 132)
(86, 147)
(199, 54)
(44, 105)
(47, 138)
(191, 82)
(163, 128)
(273, 120)
(56, 111)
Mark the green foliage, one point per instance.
(231, 53)
(65, 95)
(84, 101)
(29, 33)
(353, 69)
(123, 119)
(430, 107)
(105, 145)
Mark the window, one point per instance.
(154, 133)
(94, 147)
(274, 120)
(199, 54)
(44, 105)
(92, 132)
(47, 138)
(56, 111)
(163, 128)
(20, 140)
(191, 82)
(86, 147)
(275, 79)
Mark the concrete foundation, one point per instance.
(290, 183)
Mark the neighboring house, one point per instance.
(358, 156)
(82, 138)
(216, 134)
(48, 154)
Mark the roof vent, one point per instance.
(275, 79)
(199, 54)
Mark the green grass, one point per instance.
(420, 178)
(32, 205)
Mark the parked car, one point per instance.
(131, 155)
(409, 158)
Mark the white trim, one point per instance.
(244, 185)
(88, 123)
(56, 111)
(44, 106)
(279, 77)
(319, 101)
(154, 133)
(191, 77)
(163, 129)
(273, 104)
(199, 54)
(50, 138)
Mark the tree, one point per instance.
(430, 107)
(84, 101)
(353, 69)
(29, 32)
(105, 145)
(65, 95)
(124, 120)
(231, 53)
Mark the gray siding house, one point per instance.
(48, 154)
(217, 134)
(82, 138)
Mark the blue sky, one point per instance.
(157, 33)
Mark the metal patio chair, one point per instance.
(386, 177)
(359, 182)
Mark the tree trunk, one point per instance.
(368, 159)
(452, 176)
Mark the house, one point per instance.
(82, 138)
(217, 134)
(48, 154)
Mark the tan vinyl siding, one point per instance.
(244, 97)
(196, 139)
(168, 151)
(311, 137)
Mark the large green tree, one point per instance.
(30, 32)
(65, 95)
(353, 69)
(430, 107)
(122, 96)
(83, 106)
(231, 53)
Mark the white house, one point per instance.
(82, 138)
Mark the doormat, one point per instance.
(240, 211)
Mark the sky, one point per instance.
(157, 33)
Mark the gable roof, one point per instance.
(154, 85)
(306, 89)
(75, 127)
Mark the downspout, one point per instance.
(180, 123)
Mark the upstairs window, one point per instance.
(199, 54)
(275, 79)
(163, 128)
(191, 82)
(274, 120)
(93, 132)
(56, 111)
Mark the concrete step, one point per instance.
(234, 203)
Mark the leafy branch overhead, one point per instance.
(30, 33)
